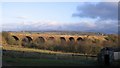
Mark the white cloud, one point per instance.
(53, 24)
(90, 24)
(106, 26)
(22, 17)
(110, 0)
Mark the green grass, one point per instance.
(47, 62)
(14, 56)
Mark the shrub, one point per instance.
(96, 50)
(113, 38)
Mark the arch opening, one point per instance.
(63, 40)
(51, 40)
(72, 40)
(27, 39)
(79, 40)
(16, 38)
(40, 40)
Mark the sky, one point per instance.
(63, 16)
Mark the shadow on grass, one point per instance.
(21, 58)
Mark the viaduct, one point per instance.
(54, 38)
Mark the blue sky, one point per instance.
(71, 16)
(61, 12)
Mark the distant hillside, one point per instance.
(65, 32)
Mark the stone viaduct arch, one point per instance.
(16, 38)
(51, 40)
(45, 38)
(40, 40)
(27, 39)
(79, 40)
(71, 40)
(62, 40)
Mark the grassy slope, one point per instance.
(21, 61)
(36, 50)
(8, 60)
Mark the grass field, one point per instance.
(16, 56)
(8, 61)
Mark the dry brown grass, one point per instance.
(15, 48)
